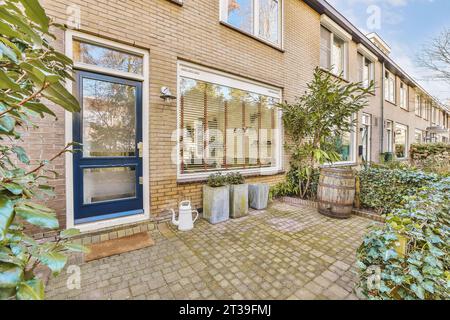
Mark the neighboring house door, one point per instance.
(108, 169)
(365, 137)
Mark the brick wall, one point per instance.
(192, 33)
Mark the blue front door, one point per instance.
(108, 169)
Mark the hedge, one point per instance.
(385, 189)
(423, 151)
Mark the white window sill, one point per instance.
(340, 164)
(203, 176)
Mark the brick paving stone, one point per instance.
(284, 252)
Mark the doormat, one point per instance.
(117, 246)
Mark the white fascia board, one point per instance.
(328, 23)
(366, 52)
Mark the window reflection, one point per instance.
(96, 55)
(109, 119)
(225, 128)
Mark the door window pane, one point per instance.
(365, 136)
(389, 136)
(109, 119)
(96, 55)
(107, 184)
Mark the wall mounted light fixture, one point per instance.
(166, 95)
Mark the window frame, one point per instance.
(406, 140)
(387, 83)
(365, 59)
(223, 18)
(330, 59)
(418, 105)
(71, 35)
(389, 130)
(368, 124)
(404, 96)
(209, 75)
(353, 148)
(421, 133)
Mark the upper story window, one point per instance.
(90, 54)
(366, 71)
(425, 109)
(389, 87)
(434, 115)
(333, 52)
(260, 18)
(418, 107)
(334, 47)
(403, 96)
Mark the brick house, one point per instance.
(145, 150)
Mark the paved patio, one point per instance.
(285, 252)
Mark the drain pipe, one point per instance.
(382, 109)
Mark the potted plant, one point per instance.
(216, 199)
(258, 195)
(238, 195)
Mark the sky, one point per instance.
(407, 26)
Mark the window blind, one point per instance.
(225, 128)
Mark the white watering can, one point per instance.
(185, 221)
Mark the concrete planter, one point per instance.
(238, 200)
(216, 204)
(258, 196)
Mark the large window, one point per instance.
(389, 87)
(260, 18)
(226, 123)
(401, 140)
(366, 70)
(403, 96)
(333, 53)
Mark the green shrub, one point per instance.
(217, 180)
(384, 189)
(235, 178)
(294, 180)
(32, 73)
(424, 150)
(422, 272)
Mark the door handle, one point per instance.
(140, 147)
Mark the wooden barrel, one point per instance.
(336, 192)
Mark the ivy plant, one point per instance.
(385, 189)
(422, 269)
(32, 73)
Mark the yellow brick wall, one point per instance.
(192, 33)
